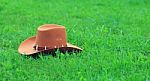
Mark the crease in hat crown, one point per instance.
(46, 27)
(51, 36)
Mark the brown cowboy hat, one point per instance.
(49, 38)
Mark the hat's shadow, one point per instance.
(53, 53)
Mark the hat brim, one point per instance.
(26, 47)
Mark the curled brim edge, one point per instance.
(26, 47)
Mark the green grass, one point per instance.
(115, 36)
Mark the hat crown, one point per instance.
(51, 36)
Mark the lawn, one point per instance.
(115, 36)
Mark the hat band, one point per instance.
(36, 47)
